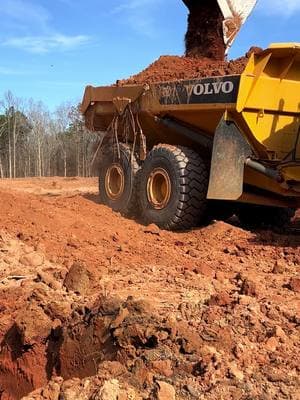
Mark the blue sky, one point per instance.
(50, 49)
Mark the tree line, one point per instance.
(37, 143)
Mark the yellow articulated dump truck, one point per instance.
(181, 152)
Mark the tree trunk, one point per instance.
(65, 164)
(9, 153)
(1, 168)
(14, 145)
(39, 160)
(78, 160)
(29, 164)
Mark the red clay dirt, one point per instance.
(204, 37)
(95, 306)
(170, 68)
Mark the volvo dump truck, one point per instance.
(176, 152)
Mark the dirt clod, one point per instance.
(295, 284)
(163, 367)
(248, 287)
(272, 344)
(110, 390)
(32, 324)
(32, 260)
(77, 279)
(205, 270)
(165, 391)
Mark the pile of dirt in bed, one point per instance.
(170, 68)
(204, 37)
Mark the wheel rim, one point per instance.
(159, 188)
(114, 182)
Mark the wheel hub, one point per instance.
(159, 188)
(114, 181)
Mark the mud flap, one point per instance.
(230, 151)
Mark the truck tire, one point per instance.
(117, 179)
(253, 216)
(173, 187)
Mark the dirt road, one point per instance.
(212, 313)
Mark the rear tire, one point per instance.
(253, 216)
(117, 179)
(173, 187)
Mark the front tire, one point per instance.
(117, 179)
(173, 187)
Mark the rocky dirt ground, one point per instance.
(94, 306)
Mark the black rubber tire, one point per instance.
(254, 216)
(188, 180)
(127, 202)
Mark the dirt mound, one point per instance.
(204, 37)
(170, 68)
(227, 350)
(25, 285)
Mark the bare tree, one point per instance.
(39, 120)
(34, 142)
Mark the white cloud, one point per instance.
(134, 5)
(28, 27)
(9, 71)
(45, 44)
(280, 7)
(24, 12)
(139, 15)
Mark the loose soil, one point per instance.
(95, 306)
(204, 37)
(171, 68)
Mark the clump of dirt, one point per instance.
(204, 37)
(171, 68)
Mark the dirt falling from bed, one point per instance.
(204, 37)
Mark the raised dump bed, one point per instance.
(238, 134)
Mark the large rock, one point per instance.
(295, 284)
(77, 279)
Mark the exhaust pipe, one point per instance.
(269, 172)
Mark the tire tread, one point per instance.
(193, 180)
